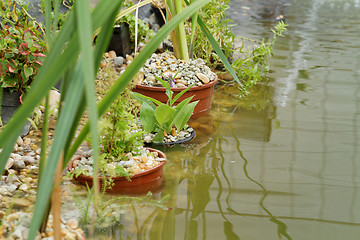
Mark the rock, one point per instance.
(9, 163)
(24, 187)
(180, 85)
(182, 82)
(54, 99)
(18, 165)
(13, 217)
(203, 77)
(129, 58)
(21, 203)
(28, 160)
(19, 141)
(173, 132)
(139, 78)
(72, 223)
(118, 61)
(102, 64)
(225, 76)
(112, 54)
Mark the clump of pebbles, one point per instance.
(185, 134)
(16, 226)
(134, 164)
(184, 73)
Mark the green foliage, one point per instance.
(119, 133)
(22, 48)
(157, 117)
(254, 65)
(214, 16)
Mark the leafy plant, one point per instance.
(157, 117)
(179, 40)
(254, 66)
(22, 48)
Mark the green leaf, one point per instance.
(149, 100)
(162, 113)
(28, 71)
(177, 96)
(159, 137)
(147, 117)
(185, 115)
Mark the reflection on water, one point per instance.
(282, 163)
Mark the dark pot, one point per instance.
(202, 93)
(140, 183)
(9, 105)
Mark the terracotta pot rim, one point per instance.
(179, 89)
(82, 176)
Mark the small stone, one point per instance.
(21, 202)
(139, 78)
(203, 78)
(118, 61)
(18, 165)
(179, 85)
(102, 64)
(72, 223)
(19, 141)
(112, 54)
(28, 160)
(24, 187)
(182, 82)
(9, 163)
(144, 159)
(129, 58)
(173, 132)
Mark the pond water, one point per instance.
(282, 163)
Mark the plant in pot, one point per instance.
(126, 166)
(165, 123)
(21, 55)
(189, 71)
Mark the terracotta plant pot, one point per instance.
(140, 183)
(202, 93)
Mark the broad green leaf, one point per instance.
(146, 99)
(28, 71)
(147, 117)
(185, 115)
(159, 137)
(162, 113)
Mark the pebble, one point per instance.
(203, 77)
(119, 61)
(21, 202)
(72, 223)
(112, 54)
